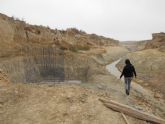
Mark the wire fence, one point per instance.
(43, 64)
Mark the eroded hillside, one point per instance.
(29, 52)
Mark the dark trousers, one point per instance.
(127, 83)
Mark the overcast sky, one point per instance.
(120, 19)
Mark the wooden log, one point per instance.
(131, 111)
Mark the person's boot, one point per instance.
(127, 92)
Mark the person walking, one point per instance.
(128, 72)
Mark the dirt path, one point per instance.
(144, 96)
(136, 87)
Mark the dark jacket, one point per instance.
(128, 71)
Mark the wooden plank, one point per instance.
(125, 118)
(131, 111)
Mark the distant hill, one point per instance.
(134, 45)
(158, 41)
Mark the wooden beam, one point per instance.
(131, 111)
(125, 118)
